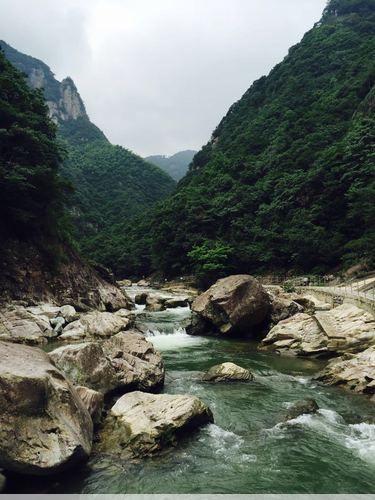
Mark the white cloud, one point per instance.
(158, 75)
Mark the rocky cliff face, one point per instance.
(63, 100)
(69, 106)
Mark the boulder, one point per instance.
(139, 366)
(95, 324)
(141, 424)
(93, 401)
(86, 364)
(283, 307)
(46, 310)
(352, 371)
(227, 372)
(345, 328)
(125, 362)
(306, 406)
(299, 335)
(155, 304)
(177, 302)
(44, 426)
(141, 298)
(18, 324)
(114, 299)
(68, 313)
(233, 305)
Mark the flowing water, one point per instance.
(247, 449)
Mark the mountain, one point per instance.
(176, 165)
(37, 261)
(287, 180)
(111, 184)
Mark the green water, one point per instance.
(246, 450)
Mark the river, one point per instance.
(247, 449)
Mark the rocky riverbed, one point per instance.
(89, 390)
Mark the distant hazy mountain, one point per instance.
(111, 183)
(176, 166)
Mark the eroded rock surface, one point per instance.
(233, 305)
(299, 335)
(227, 372)
(96, 324)
(44, 426)
(141, 424)
(345, 328)
(93, 401)
(127, 361)
(352, 371)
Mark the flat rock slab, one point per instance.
(352, 371)
(142, 424)
(348, 328)
(44, 426)
(227, 372)
(300, 335)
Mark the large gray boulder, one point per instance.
(125, 362)
(227, 372)
(44, 426)
(233, 305)
(141, 424)
(155, 303)
(355, 372)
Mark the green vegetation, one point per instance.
(32, 192)
(287, 181)
(111, 185)
(176, 165)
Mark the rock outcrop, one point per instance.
(344, 329)
(25, 275)
(227, 372)
(96, 324)
(355, 372)
(125, 362)
(141, 424)
(233, 305)
(44, 426)
(299, 335)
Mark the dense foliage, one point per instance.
(112, 185)
(287, 180)
(176, 165)
(31, 201)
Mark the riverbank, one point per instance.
(250, 447)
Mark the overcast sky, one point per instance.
(158, 75)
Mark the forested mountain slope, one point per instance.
(287, 179)
(176, 165)
(111, 184)
(37, 262)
